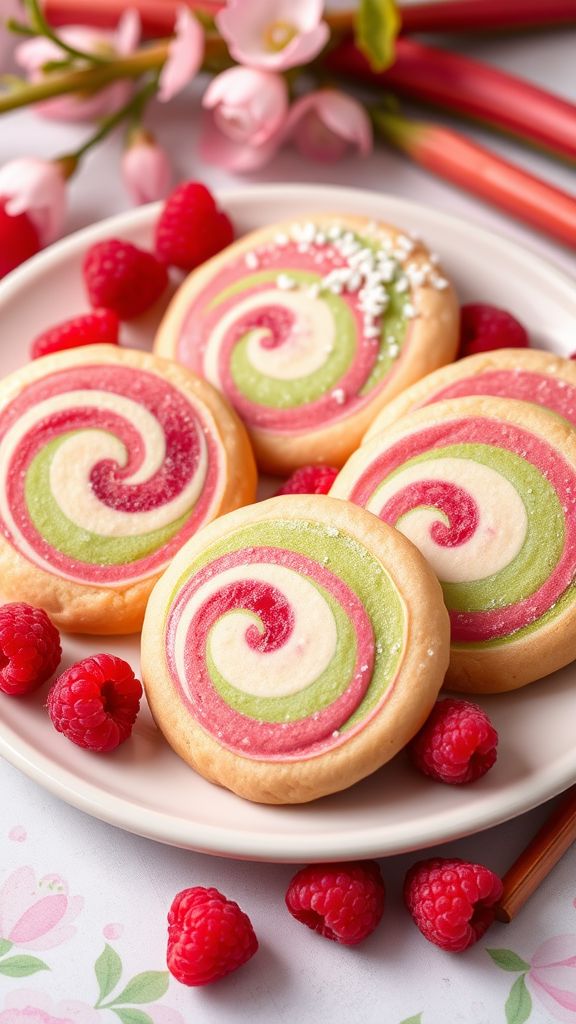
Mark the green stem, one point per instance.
(133, 108)
(150, 59)
(44, 29)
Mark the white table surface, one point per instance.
(125, 883)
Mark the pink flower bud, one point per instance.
(327, 124)
(37, 188)
(146, 170)
(248, 114)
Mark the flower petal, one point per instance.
(38, 919)
(184, 58)
(128, 32)
(219, 149)
(16, 895)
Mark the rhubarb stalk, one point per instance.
(464, 86)
(472, 167)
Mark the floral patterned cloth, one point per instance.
(83, 932)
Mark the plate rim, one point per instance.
(378, 840)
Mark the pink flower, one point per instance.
(246, 123)
(327, 124)
(33, 54)
(146, 169)
(273, 34)
(8, 9)
(185, 56)
(552, 976)
(36, 915)
(27, 1006)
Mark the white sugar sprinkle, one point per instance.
(339, 395)
(285, 283)
(251, 260)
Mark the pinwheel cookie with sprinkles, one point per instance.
(294, 647)
(310, 327)
(486, 489)
(111, 459)
(530, 375)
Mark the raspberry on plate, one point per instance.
(208, 936)
(451, 901)
(18, 239)
(484, 328)
(30, 648)
(95, 702)
(343, 902)
(191, 228)
(309, 480)
(97, 328)
(122, 277)
(456, 744)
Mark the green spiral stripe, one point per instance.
(544, 539)
(354, 564)
(65, 536)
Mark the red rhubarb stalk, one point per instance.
(472, 167)
(157, 16)
(464, 86)
(487, 15)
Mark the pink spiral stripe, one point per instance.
(551, 392)
(472, 627)
(181, 425)
(453, 501)
(246, 735)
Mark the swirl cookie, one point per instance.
(293, 647)
(530, 375)
(486, 489)
(310, 328)
(111, 459)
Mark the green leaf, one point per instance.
(108, 969)
(4, 946)
(132, 1016)
(22, 966)
(144, 988)
(377, 25)
(519, 1003)
(508, 960)
(413, 1020)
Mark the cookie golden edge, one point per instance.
(434, 342)
(502, 668)
(75, 607)
(415, 690)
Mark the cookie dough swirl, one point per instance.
(106, 470)
(490, 505)
(278, 645)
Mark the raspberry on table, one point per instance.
(122, 277)
(309, 480)
(95, 702)
(30, 648)
(18, 239)
(191, 228)
(343, 902)
(452, 902)
(97, 328)
(484, 328)
(208, 936)
(456, 744)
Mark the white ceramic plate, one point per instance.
(144, 787)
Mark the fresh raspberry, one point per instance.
(343, 902)
(95, 702)
(456, 744)
(122, 277)
(310, 480)
(18, 239)
(191, 228)
(208, 936)
(97, 328)
(452, 902)
(30, 648)
(484, 328)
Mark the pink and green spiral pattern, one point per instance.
(290, 359)
(106, 471)
(284, 639)
(491, 506)
(552, 392)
